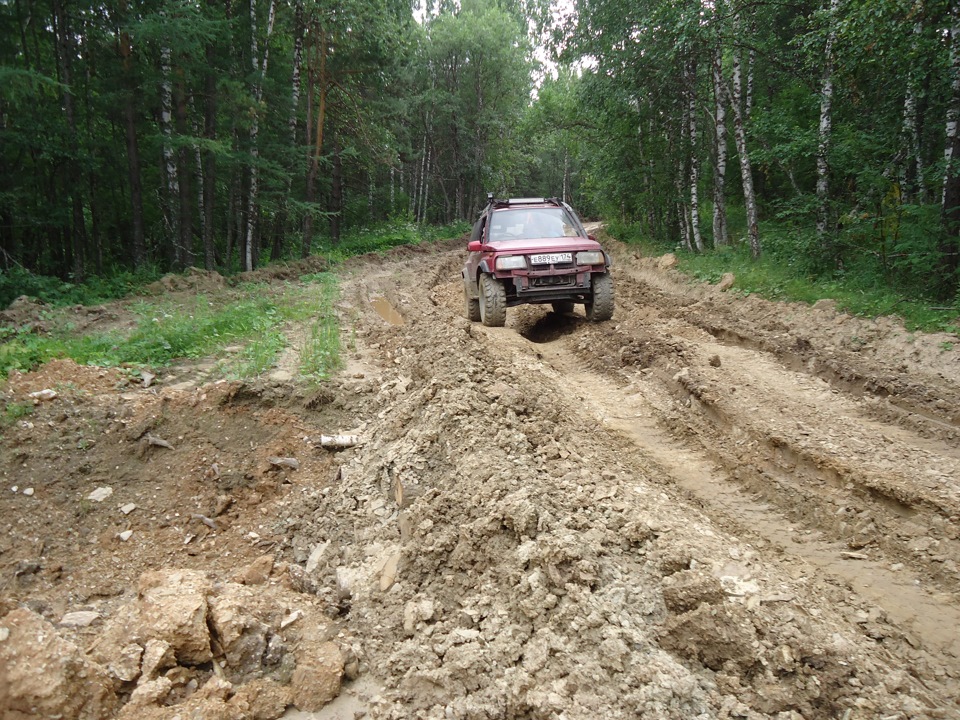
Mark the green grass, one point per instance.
(778, 275)
(166, 331)
(14, 411)
(320, 353)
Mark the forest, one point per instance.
(157, 135)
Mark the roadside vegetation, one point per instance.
(254, 316)
(864, 289)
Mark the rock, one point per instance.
(388, 575)
(257, 572)
(281, 376)
(714, 361)
(100, 494)
(315, 556)
(157, 656)
(125, 535)
(28, 491)
(686, 589)
(151, 692)
(44, 675)
(667, 261)
(171, 606)
(45, 394)
(316, 681)
(240, 634)
(128, 508)
(284, 462)
(126, 666)
(726, 282)
(79, 618)
(261, 699)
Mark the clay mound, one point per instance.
(194, 279)
(24, 314)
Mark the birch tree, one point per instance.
(823, 131)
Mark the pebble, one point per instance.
(125, 535)
(79, 618)
(100, 494)
(128, 508)
(28, 491)
(15, 488)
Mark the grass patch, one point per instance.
(14, 411)
(777, 275)
(320, 354)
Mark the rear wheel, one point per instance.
(473, 307)
(600, 305)
(493, 302)
(562, 307)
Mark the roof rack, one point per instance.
(513, 202)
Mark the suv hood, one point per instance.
(564, 244)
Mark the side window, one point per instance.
(477, 232)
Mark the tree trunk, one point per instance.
(209, 160)
(65, 53)
(691, 73)
(169, 157)
(185, 239)
(823, 135)
(133, 149)
(746, 170)
(950, 197)
(336, 194)
(720, 163)
(321, 80)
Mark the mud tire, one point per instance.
(600, 305)
(473, 307)
(562, 307)
(493, 302)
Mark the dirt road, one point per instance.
(709, 507)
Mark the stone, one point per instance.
(316, 681)
(100, 494)
(126, 666)
(151, 692)
(79, 618)
(128, 508)
(28, 491)
(315, 556)
(281, 376)
(726, 282)
(158, 656)
(125, 535)
(44, 675)
(667, 261)
(388, 575)
(257, 572)
(241, 635)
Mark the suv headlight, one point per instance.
(511, 262)
(591, 257)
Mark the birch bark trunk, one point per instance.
(950, 195)
(823, 134)
(169, 156)
(694, 160)
(260, 72)
(720, 164)
(746, 170)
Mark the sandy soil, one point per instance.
(709, 507)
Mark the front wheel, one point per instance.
(600, 305)
(493, 302)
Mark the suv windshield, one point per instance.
(531, 223)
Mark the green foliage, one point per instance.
(53, 291)
(14, 411)
(320, 352)
(383, 236)
(783, 274)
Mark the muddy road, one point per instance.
(711, 506)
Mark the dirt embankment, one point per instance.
(709, 507)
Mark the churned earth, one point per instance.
(712, 506)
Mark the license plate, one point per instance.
(551, 258)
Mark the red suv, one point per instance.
(534, 250)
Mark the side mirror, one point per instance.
(474, 246)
